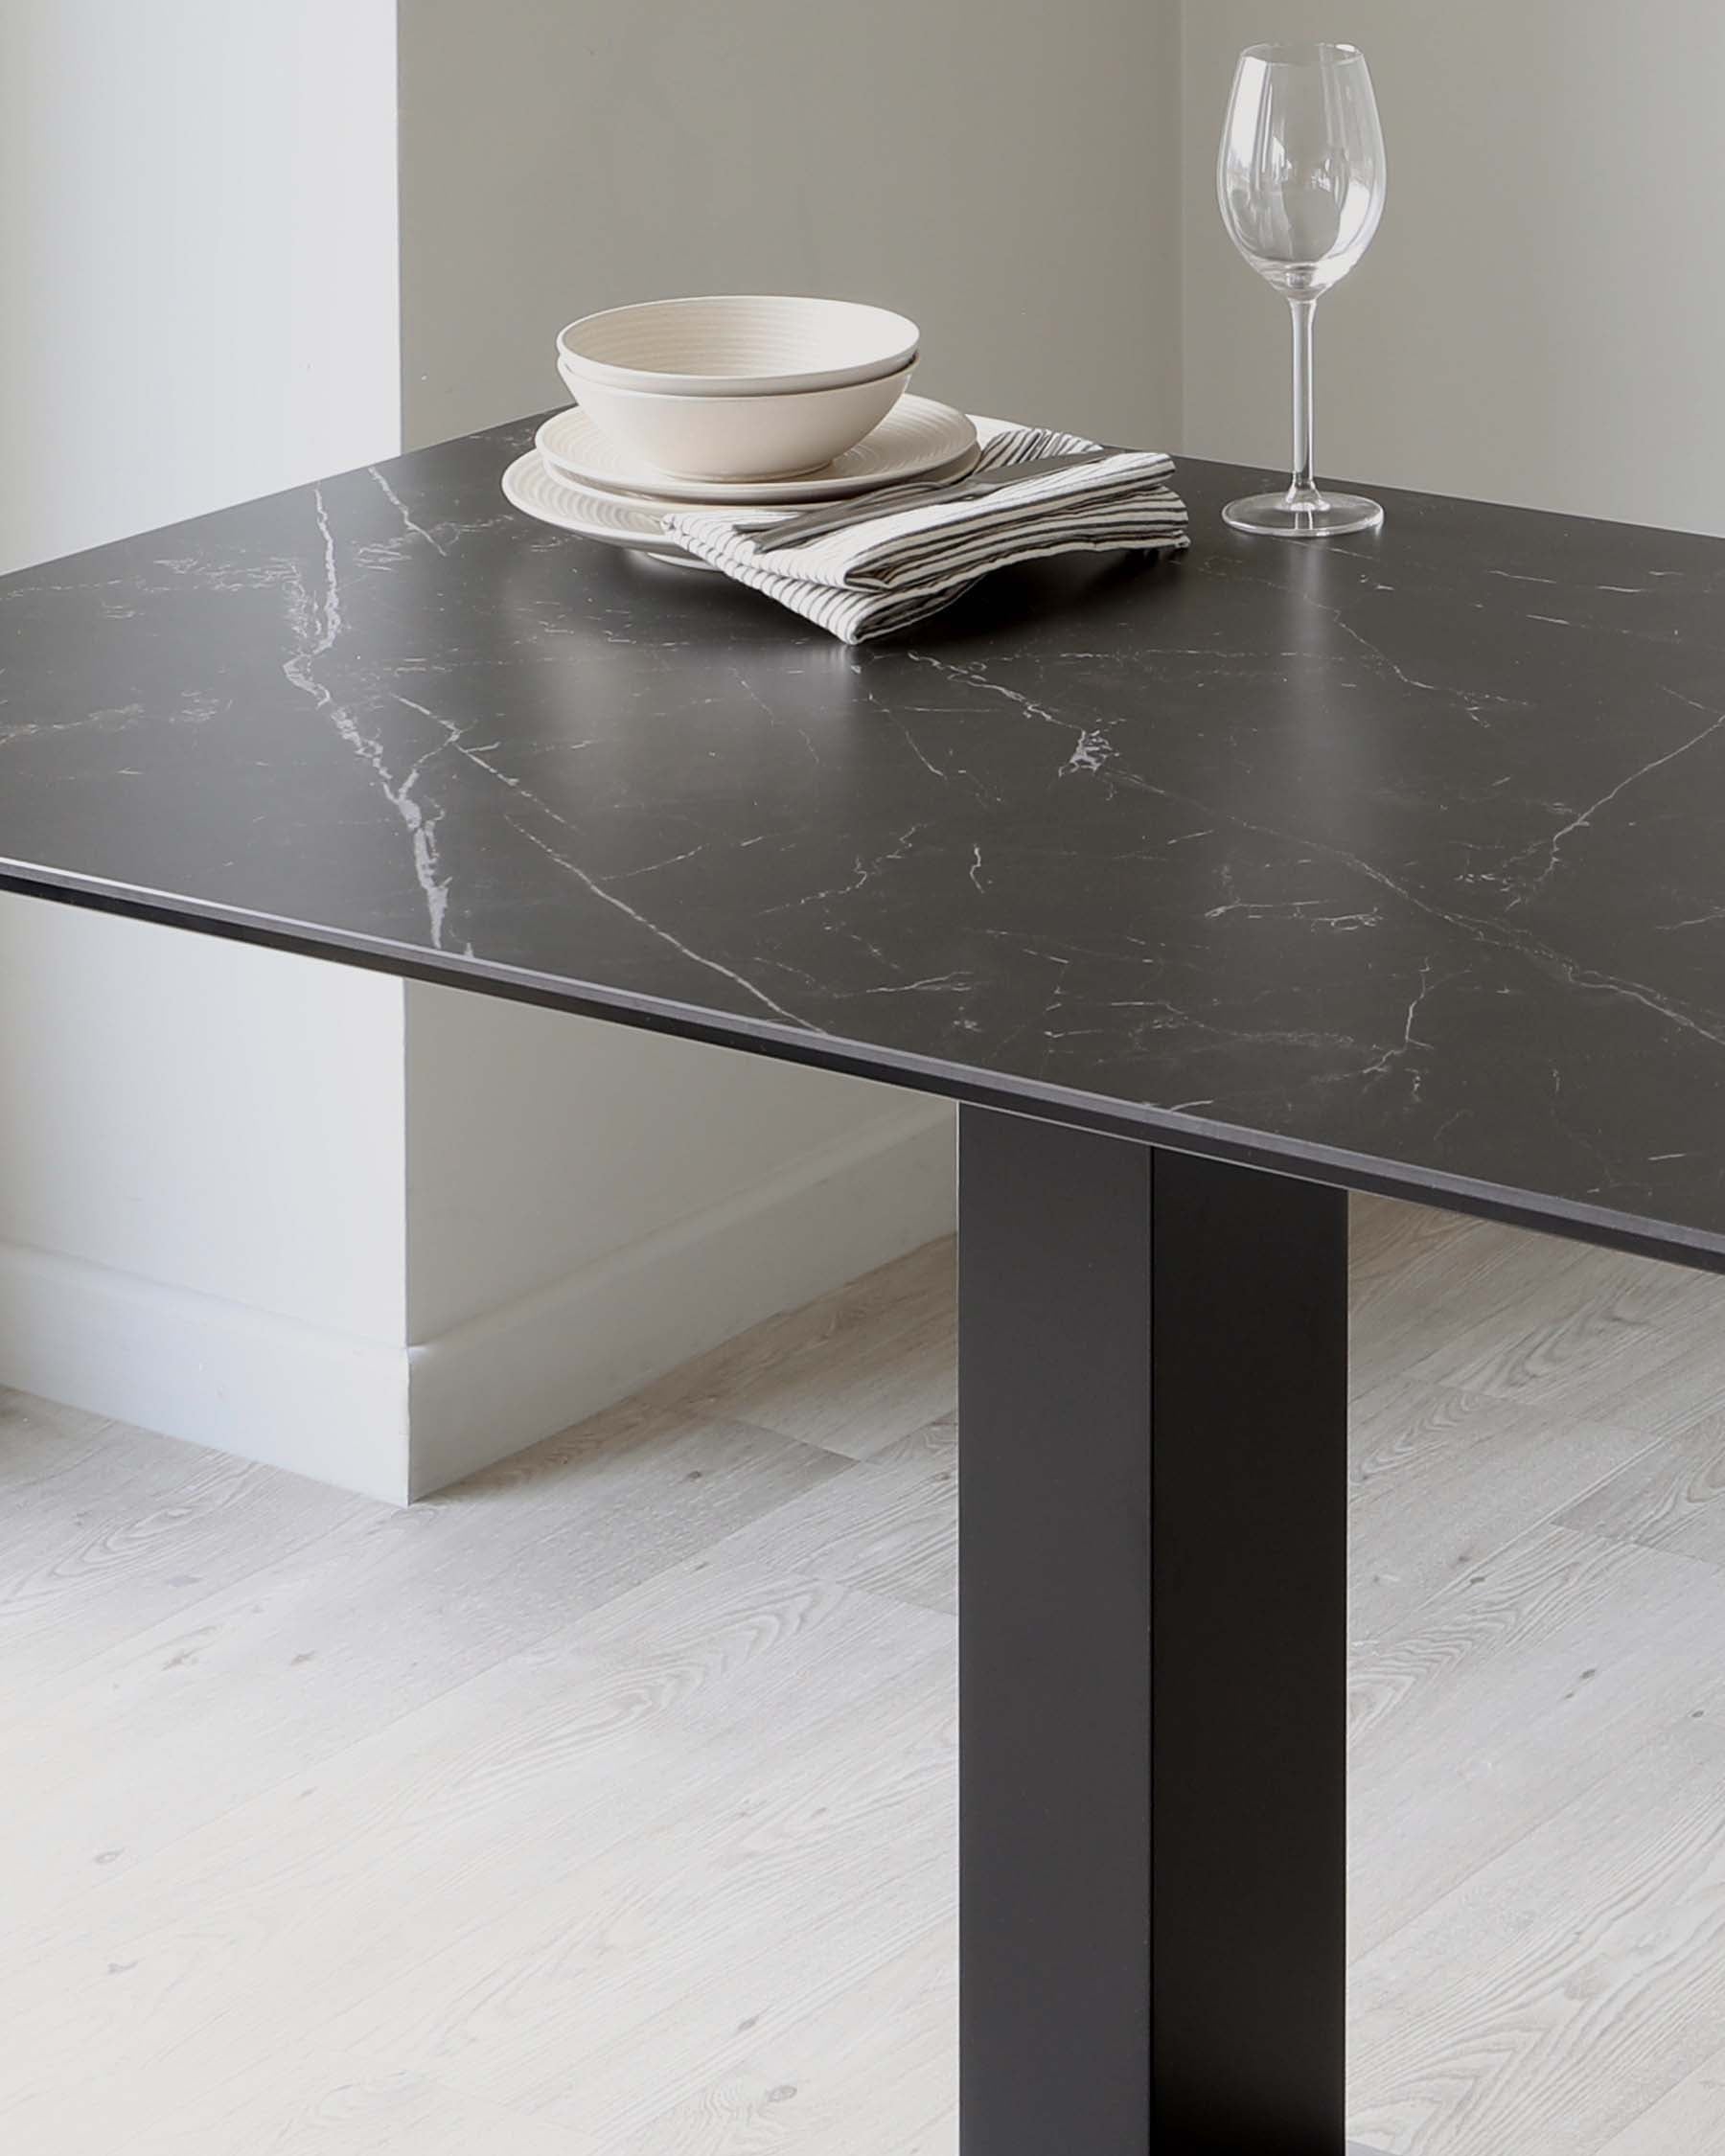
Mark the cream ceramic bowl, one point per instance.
(749, 437)
(738, 345)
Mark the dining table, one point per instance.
(1211, 890)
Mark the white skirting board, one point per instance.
(221, 1373)
(398, 1422)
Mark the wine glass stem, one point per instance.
(1304, 487)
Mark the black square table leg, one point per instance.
(1153, 1410)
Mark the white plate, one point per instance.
(916, 437)
(958, 467)
(606, 518)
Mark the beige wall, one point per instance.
(1004, 171)
(1542, 316)
(1540, 320)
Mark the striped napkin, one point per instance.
(875, 578)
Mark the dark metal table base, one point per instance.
(1153, 1638)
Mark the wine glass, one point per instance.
(1301, 179)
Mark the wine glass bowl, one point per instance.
(1301, 179)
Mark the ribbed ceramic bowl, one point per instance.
(738, 345)
(738, 437)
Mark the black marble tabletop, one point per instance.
(1399, 859)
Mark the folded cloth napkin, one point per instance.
(880, 575)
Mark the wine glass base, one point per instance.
(1315, 517)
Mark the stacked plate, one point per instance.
(752, 403)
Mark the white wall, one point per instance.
(198, 257)
(540, 1144)
(1541, 318)
(202, 1169)
(1003, 170)
(588, 1205)
(220, 1119)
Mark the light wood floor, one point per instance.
(603, 1806)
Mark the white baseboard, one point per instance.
(393, 1422)
(193, 1366)
(514, 1375)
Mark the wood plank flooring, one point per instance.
(603, 1806)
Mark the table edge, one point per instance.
(1669, 1241)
